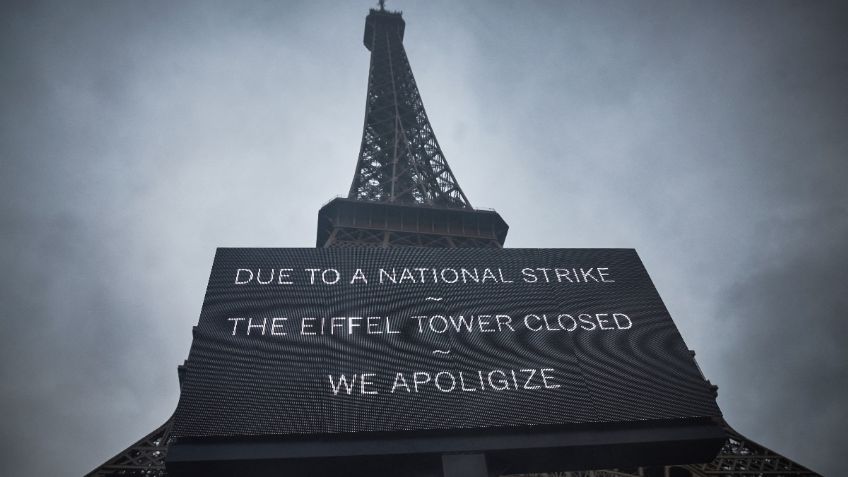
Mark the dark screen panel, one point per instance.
(448, 339)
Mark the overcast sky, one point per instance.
(136, 137)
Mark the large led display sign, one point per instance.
(327, 341)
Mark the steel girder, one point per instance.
(739, 457)
(145, 458)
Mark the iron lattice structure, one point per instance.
(400, 160)
(404, 194)
(145, 458)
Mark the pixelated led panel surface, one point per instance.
(318, 341)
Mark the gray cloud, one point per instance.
(137, 137)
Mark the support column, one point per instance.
(464, 465)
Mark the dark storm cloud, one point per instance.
(138, 136)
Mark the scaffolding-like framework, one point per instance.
(400, 160)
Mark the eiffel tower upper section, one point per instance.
(400, 159)
(403, 191)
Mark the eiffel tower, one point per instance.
(404, 194)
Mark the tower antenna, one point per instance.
(382, 5)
